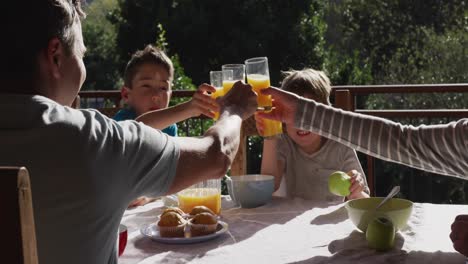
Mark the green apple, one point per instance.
(339, 183)
(380, 234)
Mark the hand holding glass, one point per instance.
(217, 80)
(259, 77)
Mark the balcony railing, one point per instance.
(344, 97)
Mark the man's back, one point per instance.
(84, 169)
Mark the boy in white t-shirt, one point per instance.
(301, 161)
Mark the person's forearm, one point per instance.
(227, 129)
(163, 118)
(435, 148)
(209, 156)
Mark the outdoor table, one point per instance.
(297, 230)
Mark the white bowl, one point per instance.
(251, 190)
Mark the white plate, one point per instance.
(151, 231)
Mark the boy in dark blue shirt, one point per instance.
(147, 91)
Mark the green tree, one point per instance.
(101, 58)
(442, 59)
(347, 69)
(380, 29)
(207, 34)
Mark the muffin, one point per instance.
(203, 224)
(176, 210)
(201, 209)
(171, 224)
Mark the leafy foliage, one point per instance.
(379, 29)
(442, 59)
(207, 34)
(345, 69)
(100, 38)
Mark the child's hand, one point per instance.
(357, 186)
(202, 103)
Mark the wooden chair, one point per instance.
(17, 219)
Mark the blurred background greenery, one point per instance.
(354, 41)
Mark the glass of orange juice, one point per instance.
(207, 193)
(259, 77)
(217, 81)
(238, 74)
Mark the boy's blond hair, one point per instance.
(149, 55)
(308, 82)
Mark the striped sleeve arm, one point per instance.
(439, 149)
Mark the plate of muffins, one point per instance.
(174, 226)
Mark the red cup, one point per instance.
(122, 238)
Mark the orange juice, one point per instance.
(219, 92)
(209, 197)
(260, 82)
(227, 86)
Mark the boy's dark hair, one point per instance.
(308, 82)
(27, 27)
(151, 55)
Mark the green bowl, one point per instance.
(361, 211)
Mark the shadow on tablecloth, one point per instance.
(353, 249)
(335, 217)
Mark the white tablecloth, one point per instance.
(286, 231)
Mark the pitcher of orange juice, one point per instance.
(207, 193)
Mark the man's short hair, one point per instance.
(149, 55)
(308, 82)
(28, 26)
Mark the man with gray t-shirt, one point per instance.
(85, 168)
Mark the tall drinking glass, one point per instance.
(259, 77)
(217, 80)
(207, 193)
(238, 74)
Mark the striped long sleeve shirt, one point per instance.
(441, 149)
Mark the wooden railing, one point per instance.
(344, 97)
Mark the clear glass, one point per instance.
(217, 80)
(207, 193)
(238, 72)
(258, 76)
